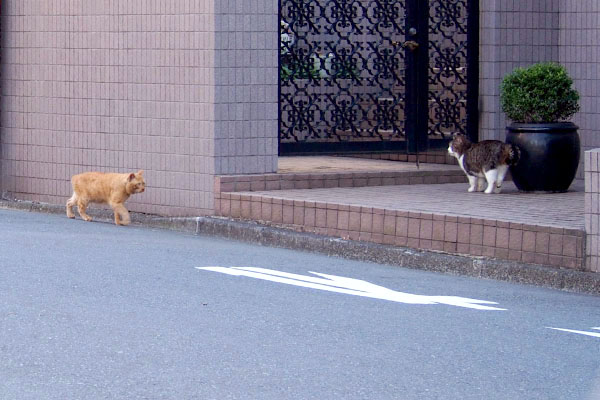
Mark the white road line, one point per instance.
(355, 287)
(593, 334)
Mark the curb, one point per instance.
(507, 271)
(264, 235)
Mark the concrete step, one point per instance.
(333, 172)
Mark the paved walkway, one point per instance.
(564, 210)
(399, 204)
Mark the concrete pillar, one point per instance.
(246, 86)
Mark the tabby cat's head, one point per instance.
(459, 145)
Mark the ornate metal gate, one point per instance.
(376, 75)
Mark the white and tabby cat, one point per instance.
(487, 160)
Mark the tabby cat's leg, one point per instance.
(121, 214)
(472, 183)
(70, 203)
(481, 184)
(491, 176)
(501, 175)
(81, 206)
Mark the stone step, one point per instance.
(332, 177)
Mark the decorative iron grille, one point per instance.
(448, 67)
(345, 77)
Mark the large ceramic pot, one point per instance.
(549, 155)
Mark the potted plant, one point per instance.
(539, 100)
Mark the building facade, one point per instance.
(185, 90)
(188, 89)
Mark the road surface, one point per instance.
(96, 311)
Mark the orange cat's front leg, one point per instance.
(121, 214)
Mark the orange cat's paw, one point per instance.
(87, 218)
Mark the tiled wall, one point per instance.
(580, 53)
(514, 33)
(592, 209)
(246, 91)
(122, 85)
(188, 89)
(521, 32)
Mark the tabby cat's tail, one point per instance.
(514, 154)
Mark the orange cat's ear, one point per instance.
(131, 177)
(141, 172)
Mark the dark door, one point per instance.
(376, 75)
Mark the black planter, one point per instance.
(549, 155)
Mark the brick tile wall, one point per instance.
(121, 85)
(592, 209)
(521, 32)
(580, 53)
(553, 246)
(108, 86)
(514, 33)
(246, 86)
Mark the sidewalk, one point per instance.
(395, 203)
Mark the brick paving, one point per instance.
(397, 204)
(562, 210)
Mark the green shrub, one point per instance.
(542, 92)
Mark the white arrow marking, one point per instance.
(593, 334)
(355, 287)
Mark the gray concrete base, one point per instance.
(252, 232)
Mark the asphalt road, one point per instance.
(96, 311)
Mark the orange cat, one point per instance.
(99, 187)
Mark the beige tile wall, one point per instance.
(580, 53)
(592, 209)
(121, 85)
(513, 33)
(188, 89)
(246, 86)
(521, 32)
